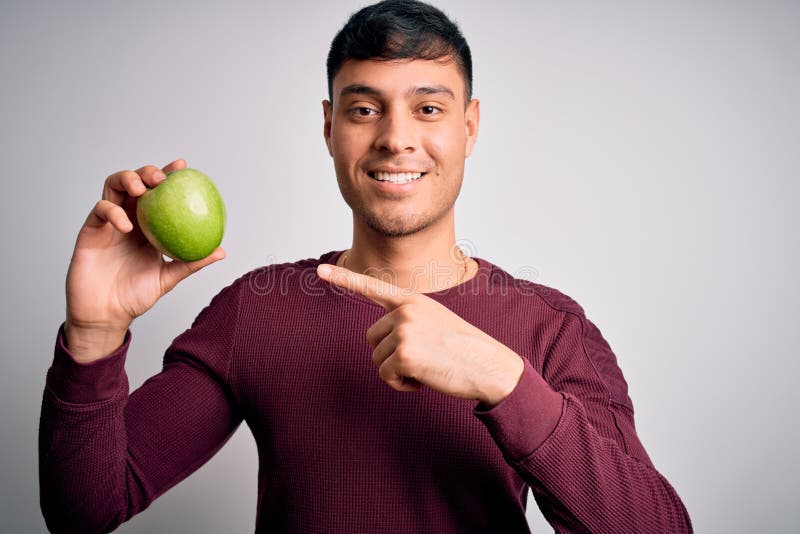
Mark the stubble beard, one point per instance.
(398, 223)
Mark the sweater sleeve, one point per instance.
(105, 455)
(570, 434)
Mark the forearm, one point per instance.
(104, 456)
(82, 444)
(582, 480)
(596, 485)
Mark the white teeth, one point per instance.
(397, 177)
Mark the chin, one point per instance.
(398, 229)
(395, 231)
(398, 226)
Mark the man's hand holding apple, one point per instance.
(115, 275)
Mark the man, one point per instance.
(360, 389)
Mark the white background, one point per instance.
(641, 157)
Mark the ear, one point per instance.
(472, 120)
(327, 112)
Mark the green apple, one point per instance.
(183, 216)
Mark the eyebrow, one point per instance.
(418, 90)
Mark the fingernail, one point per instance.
(324, 269)
(159, 175)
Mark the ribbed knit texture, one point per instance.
(340, 451)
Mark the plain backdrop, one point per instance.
(641, 157)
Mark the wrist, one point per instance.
(502, 383)
(87, 344)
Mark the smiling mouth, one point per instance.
(396, 177)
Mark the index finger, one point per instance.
(175, 165)
(135, 183)
(379, 291)
(122, 183)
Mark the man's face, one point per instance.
(392, 121)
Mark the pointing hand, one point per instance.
(421, 342)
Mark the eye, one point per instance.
(430, 110)
(363, 111)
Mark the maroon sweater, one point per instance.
(340, 451)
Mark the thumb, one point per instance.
(174, 271)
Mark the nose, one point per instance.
(396, 133)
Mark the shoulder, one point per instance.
(573, 337)
(284, 278)
(293, 278)
(291, 266)
(501, 281)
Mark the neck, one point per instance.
(424, 262)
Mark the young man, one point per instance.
(359, 372)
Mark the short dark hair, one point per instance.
(400, 29)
